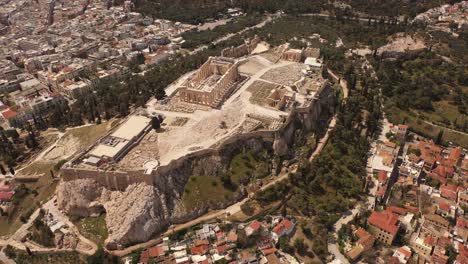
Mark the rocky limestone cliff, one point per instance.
(140, 209)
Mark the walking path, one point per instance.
(268, 19)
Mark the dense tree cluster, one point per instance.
(196, 38)
(395, 8)
(419, 83)
(197, 11)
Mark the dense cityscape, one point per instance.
(154, 131)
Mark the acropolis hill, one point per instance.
(264, 100)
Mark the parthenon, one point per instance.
(212, 83)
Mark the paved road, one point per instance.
(447, 128)
(268, 19)
(349, 215)
(359, 19)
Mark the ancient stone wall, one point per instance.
(114, 180)
(241, 50)
(308, 117)
(140, 205)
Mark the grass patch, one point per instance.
(417, 125)
(94, 228)
(43, 190)
(445, 114)
(205, 190)
(245, 167)
(21, 257)
(35, 194)
(89, 134)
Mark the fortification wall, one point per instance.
(140, 205)
(304, 119)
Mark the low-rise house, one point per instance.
(199, 259)
(403, 254)
(199, 250)
(247, 257)
(365, 242)
(253, 227)
(422, 246)
(463, 198)
(6, 196)
(444, 209)
(449, 191)
(437, 221)
(284, 228)
(205, 232)
(5, 188)
(461, 229)
(399, 130)
(462, 254)
(231, 237)
(439, 257)
(384, 226)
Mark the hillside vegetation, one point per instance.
(197, 11)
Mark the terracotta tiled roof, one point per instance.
(397, 210)
(412, 208)
(144, 256)
(382, 176)
(455, 154)
(405, 252)
(445, 207)
(232, 236)
(8, 114)
(360, 233)
(5, 188)
(443, 171)
(462, 254)
(437, 218)
(219, 234)
(367, 241)
(221, 249)
(156, 251)
(255, 225)
(199, 250)
(269, 251)
(462, 223)
(385, 220)
(6, 196)
(199, 242)
(283, 226)
(442, 242)
(449, 191)
(439, 258)
(430, 240)
(441, 179)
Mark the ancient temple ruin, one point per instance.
(212, 83)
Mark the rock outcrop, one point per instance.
(138, 205)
